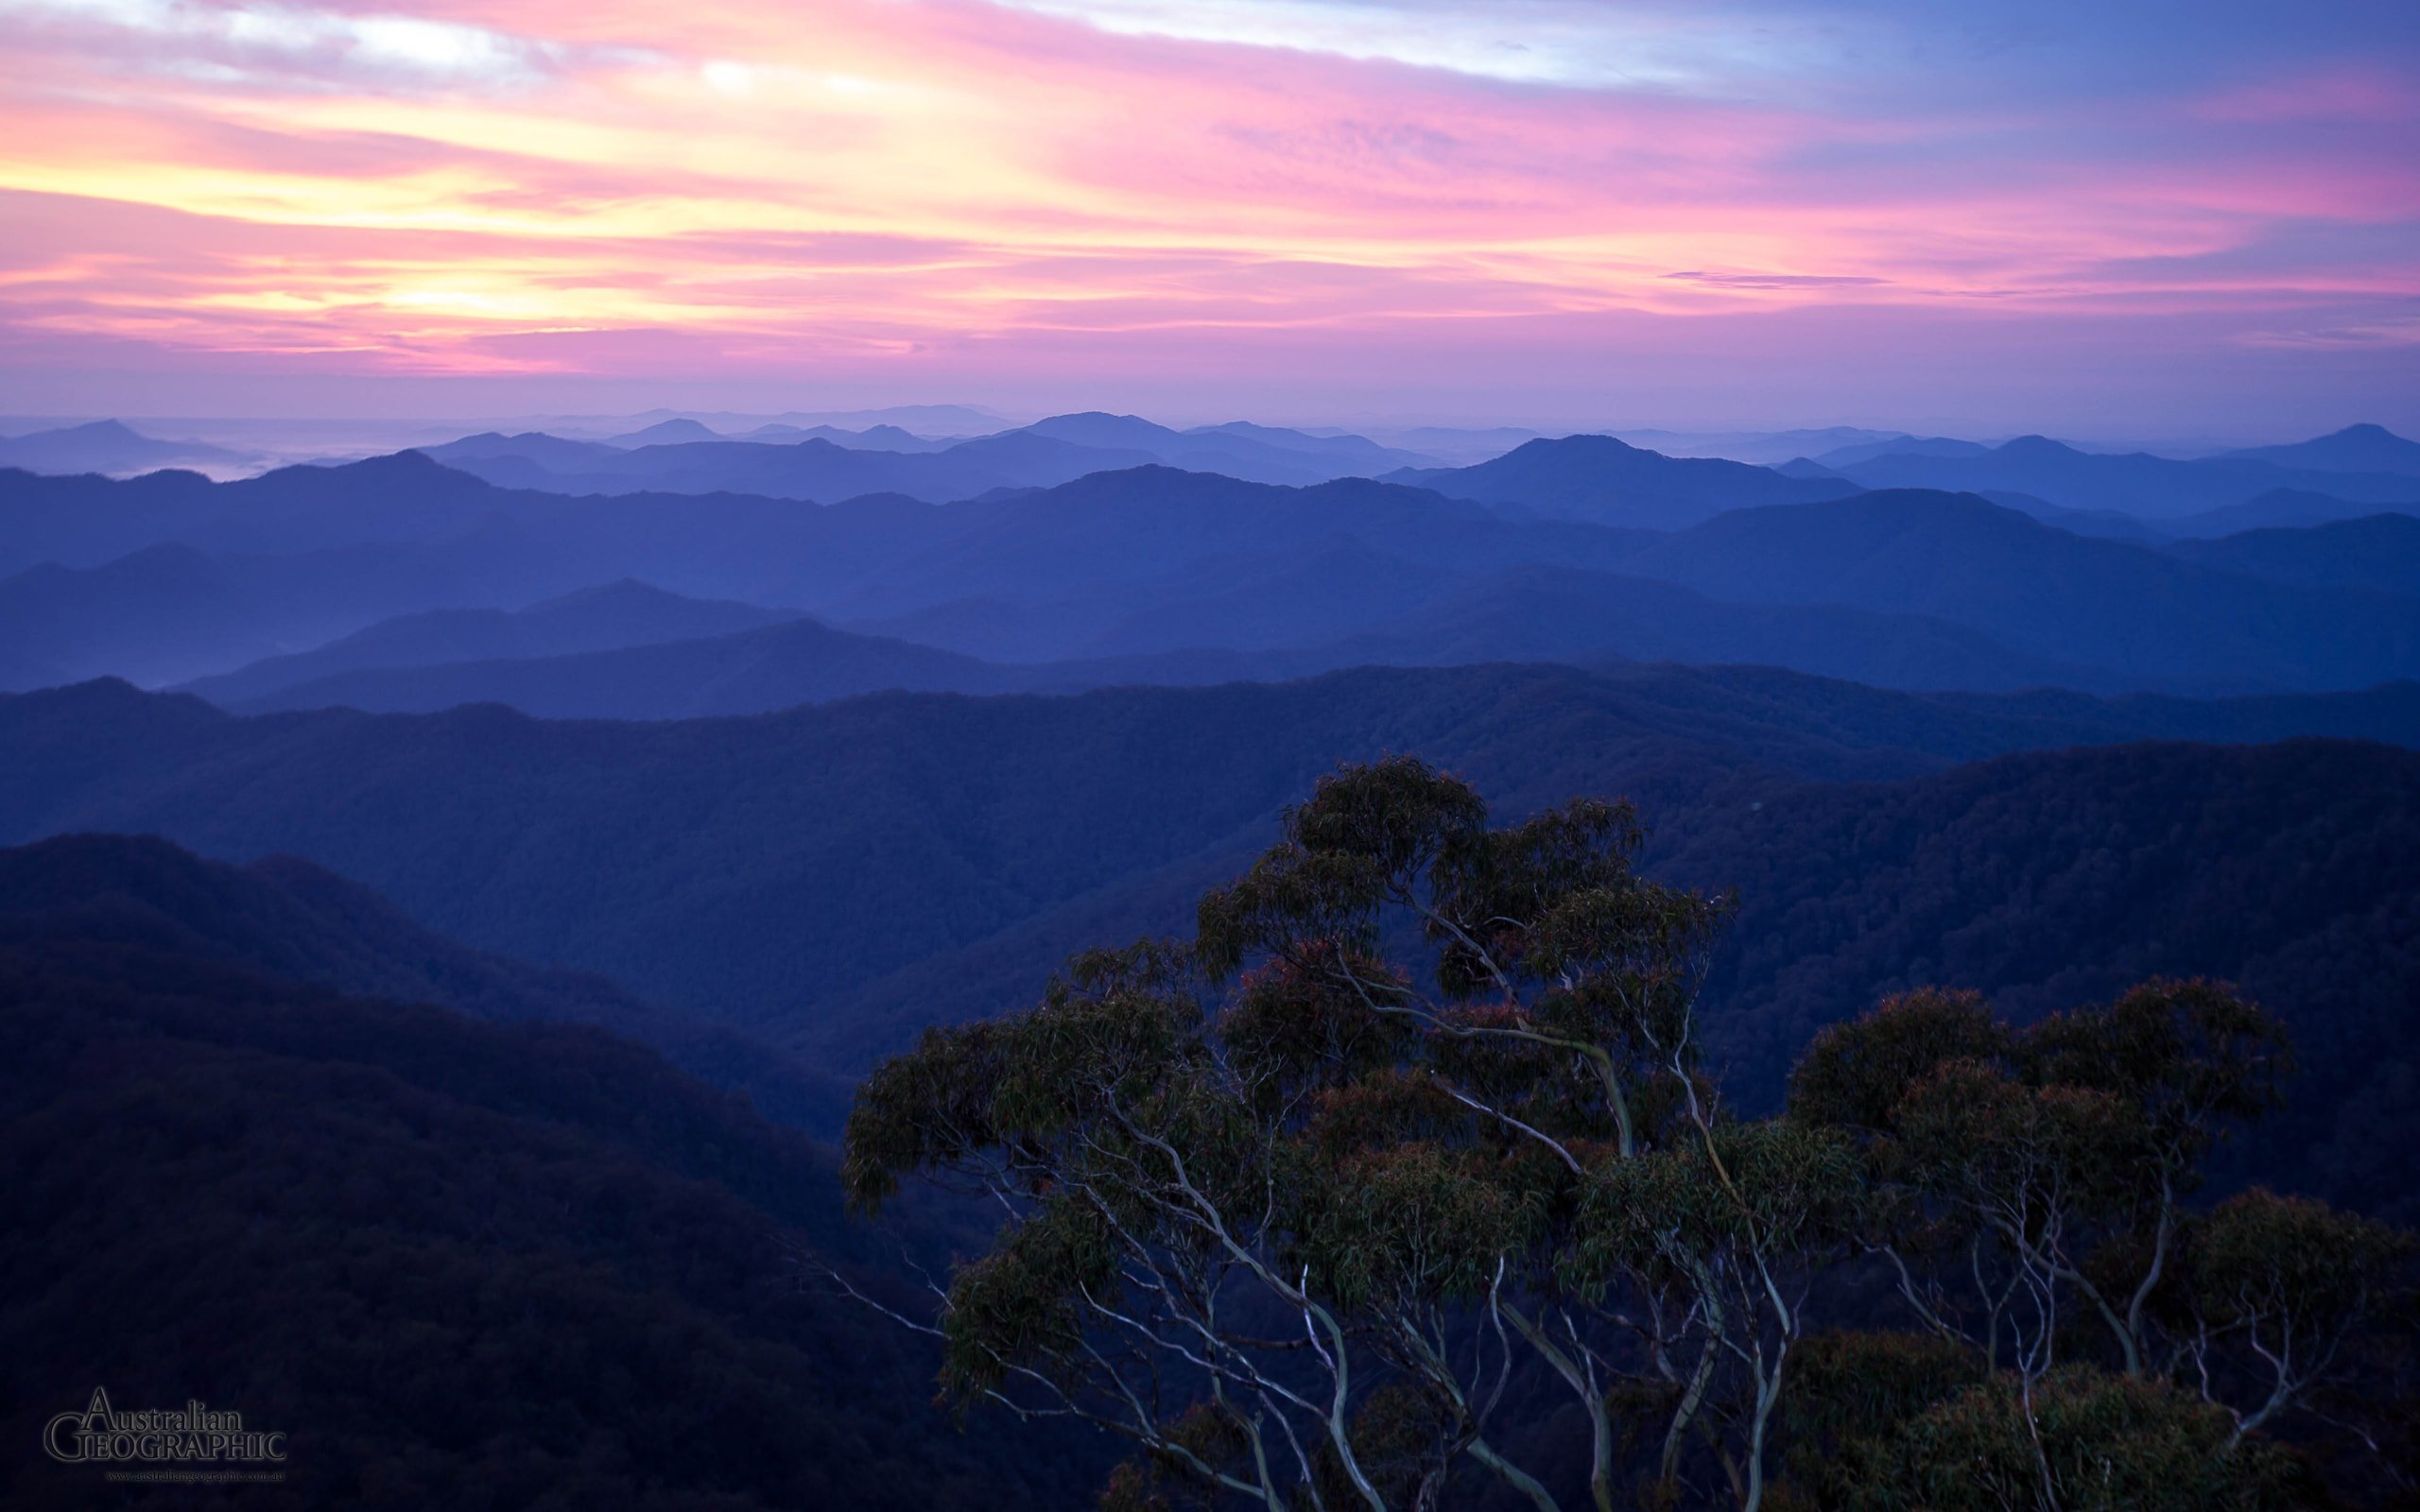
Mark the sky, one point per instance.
(2124, 217)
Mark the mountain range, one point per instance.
(682, 457)
(1900, 587)
(740, 814)
(2154, 489)
(828, 879)
(1588, 477)
(283, 917)
(2355, 449)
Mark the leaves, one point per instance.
(1744, 1193)
(2077, 1441)
(1320, 1021)
(1026, 1301)
(2298, 1263)
(2191, 1057)
(1412, 1224)
(1856, 1074)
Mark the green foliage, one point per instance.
(1396, 815)
(1766, 1186)
(1855, 1386)
(1294, 1027)
(1856, 1073)
(1975, 1135)
(1412, 1223)
(1168, 1478)
(2190, 1059)
(2291, 1265)
(1279, 1110)
(2053, 1174)
(921, 1111)
(2102, 1113)
(1851, 1392)
(1399, 1440)
(1024, 1301)
(2078, 1440)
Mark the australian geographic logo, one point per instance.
(193, 1436)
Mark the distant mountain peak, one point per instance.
(1605, 480)
(2364, 447)
(1580, 446)
(410, 460)
(1597, 440)
(1099, 427)
(107, 446)
(674, 432)
(2037, 446)
(409, 474)
(179, 553)
(111, 694)
(112, 430)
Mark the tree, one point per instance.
(2029, 1199)
(1313, 1207)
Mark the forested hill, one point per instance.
(2058, 878)
(459, 1264)
(834, 878)
(763, 870)
(286, 916)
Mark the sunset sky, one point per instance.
(2107, 217)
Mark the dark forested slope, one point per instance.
(458, 1264)
(2056, 878)
(286, 916)
(833, 876)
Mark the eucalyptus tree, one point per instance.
(1418, 1114)
(2029, 1195)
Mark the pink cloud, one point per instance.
(565, 187)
